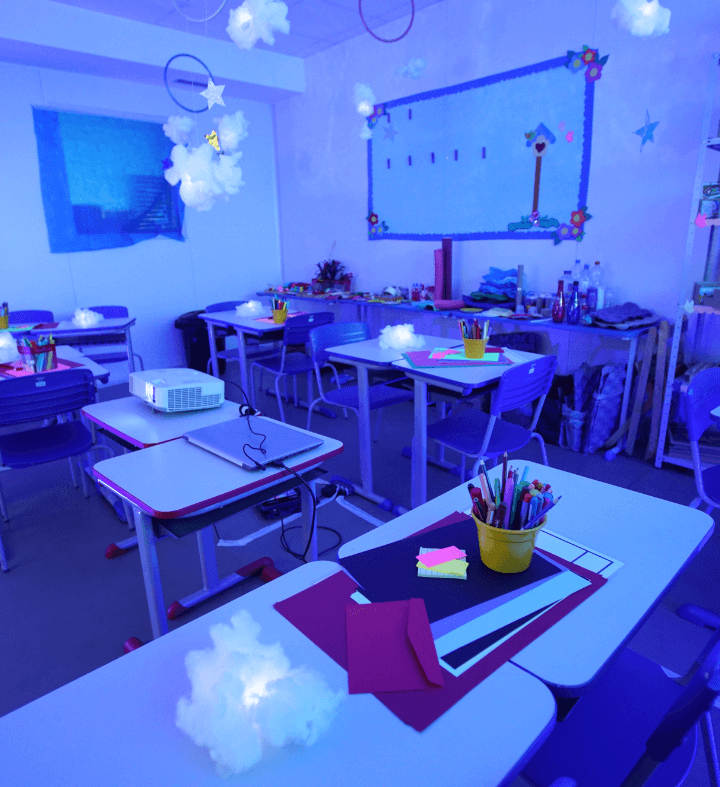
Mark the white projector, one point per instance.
(177, 390)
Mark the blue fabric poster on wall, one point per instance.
(102, 181)
(505, 156)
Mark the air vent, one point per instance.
(180, 399)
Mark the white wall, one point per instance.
(229, 252)
(640, 201)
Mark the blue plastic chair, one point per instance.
(634, 726)
(30, 315)
(290, 364)
(37, 397)
(482, 436)
(703, 395)
(111, 312)
(222, 332)
(380, 396)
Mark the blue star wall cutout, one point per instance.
(646, 132)
(389, 133)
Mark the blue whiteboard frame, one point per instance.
(395, 233)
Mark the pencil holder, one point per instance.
(38, 358)
(279, 316)
(4, 322)
(474, 348)
(506, 551)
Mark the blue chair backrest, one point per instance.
(40, 396)
(697, 697)
(30, 315)
(523, 384)
(333, 335)
(703, 395)
(297, 329)
(110, 312)
(225, 306)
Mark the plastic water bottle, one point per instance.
(596, 291)
(573, 309)
(576, 272)
(584, 285)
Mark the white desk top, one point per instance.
(109, 325)
(137, 423)
(246, 324)
(116, 726)
(715, 413)
(67, 353)
(370, 352)
(655, 539)
(177, 478)
(465, 377)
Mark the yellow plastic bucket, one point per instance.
(474, 348)
(279, 316)
(506, 551)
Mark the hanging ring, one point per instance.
(388, 40)
(207, 18)
(165, 78)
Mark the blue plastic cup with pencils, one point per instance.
(508, 517)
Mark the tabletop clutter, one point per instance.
(39, 354)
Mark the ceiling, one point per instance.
(314, 24)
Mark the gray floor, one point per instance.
(65, 610)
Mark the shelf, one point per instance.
(714, 143)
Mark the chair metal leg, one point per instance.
(142, 365)
(711, 755)
(3, 510)
(279, 398)
(72, 471)
(252, 384)
(310, 411)
(83, 478)
(295, 395)
(696, 502)
(542, 447)
(462, 468)
(377, 425)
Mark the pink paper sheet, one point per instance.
(440, 556)
(270, 319)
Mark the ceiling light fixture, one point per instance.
(388, 40)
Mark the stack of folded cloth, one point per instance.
(445, 563)
(497, 288)
(628, 315)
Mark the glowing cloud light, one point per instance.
(245, 694)
(413, 69)
(232, 130)
(641, 17)
(400, 337)
(256, 19)
(249, 309)
(364, 99)
(84, 318)
(178, 129)
(8, 347)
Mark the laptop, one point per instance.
(228, 438)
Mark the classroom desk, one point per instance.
(72, 334)
(655, 539)
(364, 356)
(244, 326)
(65, 353)
(463, 380)
(116, 725)
(176, 479)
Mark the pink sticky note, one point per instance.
(440, 556)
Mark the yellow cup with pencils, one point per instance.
(279, 316)
(475, 348)
(506, 551)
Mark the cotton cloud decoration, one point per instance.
(413, 69)
(249, 309)
(400, 337)
(245, 694)
(365, 131)
(641, 17)
(8, 347)
(231, 131)
(256, 19)
(178, 129)
(364, 99)
(84, 318)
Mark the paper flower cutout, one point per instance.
(256, 19)
(212, 139)
(588, 55)
(377, 113)
(365, 131)
(203, 177)
(400, 337)
(364, 99)
(213, 94)
(376, 227)
(373, 218)
(414, 69)
(575, 62)
(578, 217)
(641, 17)
(245, 697)
(231, 131)
(178, 129)
(594, 72)
(576, 233)
(646, 132)
(562, 233)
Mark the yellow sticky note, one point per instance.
(457, 567)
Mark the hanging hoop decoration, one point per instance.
(388, 40)
(206, 19)
(165, 77)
